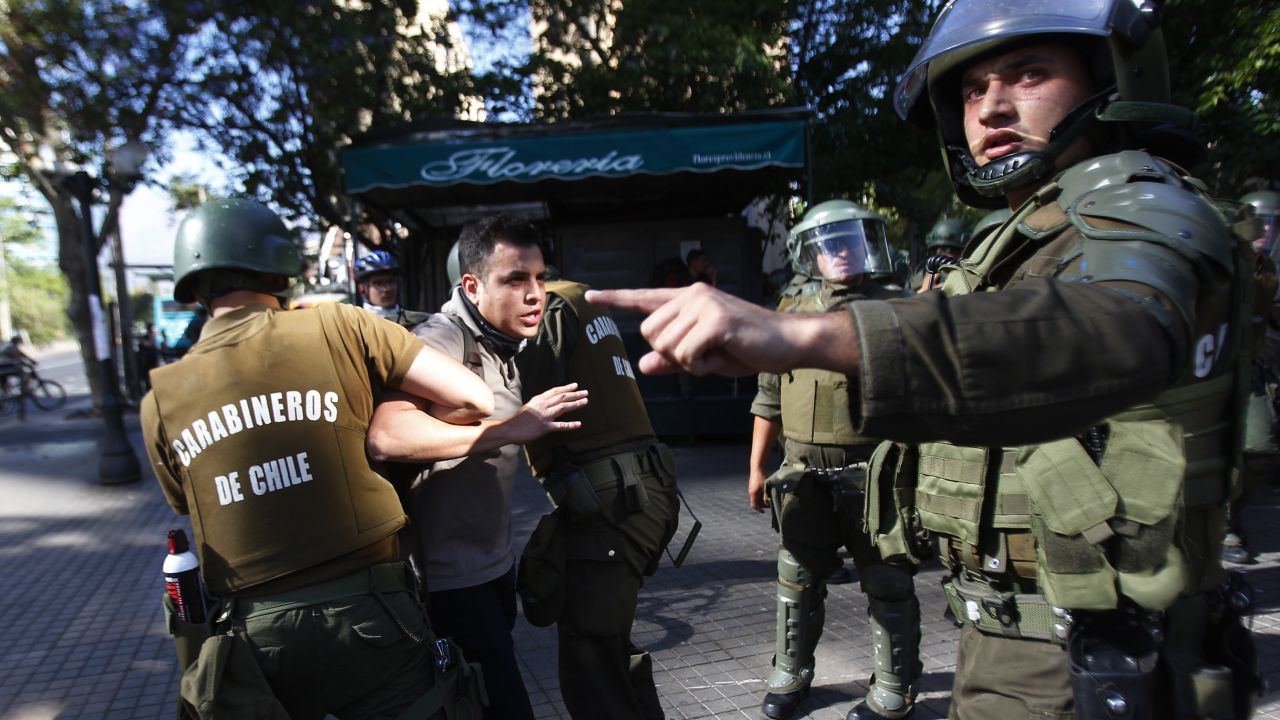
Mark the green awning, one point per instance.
(570, 156)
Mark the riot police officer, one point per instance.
(614, 488)
(1261, 449)
(817, 494)
(1067, 406)
(258, 435)
(942, 245)
(378, 281)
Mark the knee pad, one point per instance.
(885, 581)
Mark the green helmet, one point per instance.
(230, 236)
(1121, 41)
(838, 240)
(992, 219)
(452, 267)
(1266, 207)
(947, 232)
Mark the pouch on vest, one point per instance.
(1108, 530)
(462, 693)
(785, 480)
(890, 485)
(950, 484)
(226, 682)
(570, 488)
(540, 578)
(187, 637)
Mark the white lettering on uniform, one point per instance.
(255, 480)
(313, 405)
(190, 441)
(202, 434)
(1208, 351)
(232, 417)
(277, 407)
(280, 474)
(294, 400)
(272, 472)
(331, 406)
(228, 488)
(215, 423)
(261, 410)
(182, 453)
(622, 367)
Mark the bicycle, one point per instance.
(27, 384)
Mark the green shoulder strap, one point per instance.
(470, 356)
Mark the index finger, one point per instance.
(645, 301)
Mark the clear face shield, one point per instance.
(1266, 242)
(843, 250)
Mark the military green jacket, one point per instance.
(1070, 400)
(1048, 341)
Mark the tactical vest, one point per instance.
(268, 436)
(615, 412)
(1107, 516)
(815, 403)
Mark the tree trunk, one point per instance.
(71, 260)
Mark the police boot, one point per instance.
(800, 617)
(895, 633)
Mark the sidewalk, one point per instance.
(83, 635)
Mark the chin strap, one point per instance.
(1024, 169)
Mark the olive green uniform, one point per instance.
(817, 497)
(258, 434)
(1116, 277)
(617, 522)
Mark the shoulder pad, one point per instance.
(1109, 170)
(1151, 207)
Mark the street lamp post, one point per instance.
(125, 170)
(118, 464)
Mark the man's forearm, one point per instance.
(764, 433)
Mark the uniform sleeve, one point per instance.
(1039, 360)
(159, 453)
(768, 402)
(388, 348)
(542, 362)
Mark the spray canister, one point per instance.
(182, 579)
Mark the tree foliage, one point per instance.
(279, 86)
(81, 77)
(1225, 62)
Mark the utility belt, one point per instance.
(374, 580)
(1006, 608)
(578, 488)
(216, 656)
(850, 478)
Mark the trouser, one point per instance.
(362, 655)
(603, 674)
(816, 516)
(480, 619)
(999, 678)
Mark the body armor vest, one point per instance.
(1105, 510)
(815, 403)
(615, 414)
(268, 435)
